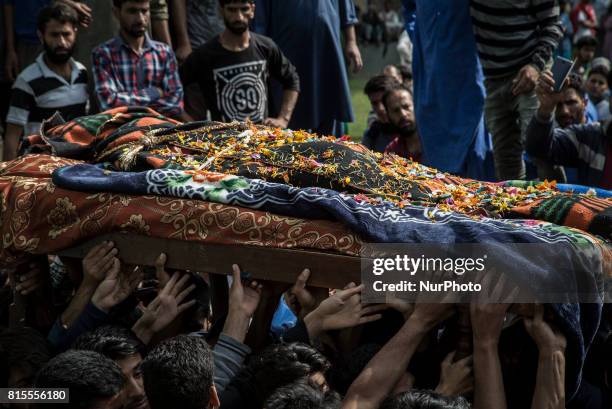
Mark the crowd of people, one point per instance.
(121, 336)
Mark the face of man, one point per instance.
(133, 17)
(58, 41)
(237, 16)
(400, 110)
(133, 392)
(376, 101)
(570, 110)
(596, 86)
(586, 53)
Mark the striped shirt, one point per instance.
(39, 92)
(584, 146)
(126, 78)
(513, 33)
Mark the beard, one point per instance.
(236, 28)
(58, 55)
(406, 128)
(136, 31)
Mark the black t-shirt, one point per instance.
(235, 84)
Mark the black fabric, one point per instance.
(235, 84)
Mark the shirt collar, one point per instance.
(147, 45)
(49, 73)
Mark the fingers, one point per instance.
(114, 271)
(348, 293)
(160, 268)
(302, 278)
(179, 285)
(185, 306)
(520, 86)
(236, 274)
(371, 309)
(170, 284)
(369, 318)
(181, 296)
(448, 359)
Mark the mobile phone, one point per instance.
(560, 70)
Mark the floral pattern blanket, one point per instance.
(381, 198)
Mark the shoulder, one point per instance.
(159, 46)
(263, 40)
(30, 73)
(106, 47)
(80, 66)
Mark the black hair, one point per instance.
(224, 2)
(586, 40)
(59, 12)
(392, 91)
(119, 3)
(601, 70)
(380, 83)
(114, 342)
(574, 81)
(178, 373)
(280, 364)
(302, 394)
(22, 348)
(416, 399)
(90, 376)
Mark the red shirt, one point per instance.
(399, 147)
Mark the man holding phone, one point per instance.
(515, 42)
(585, 146)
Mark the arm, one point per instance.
(159, 21)
(487, 321)
(11, 141)
(83, 10)
(348, 19)
(550, 32)
(170, 100)
(12, 61)
(381, 374)
(550, 380)
(542, 139)
(179, 25)
(107, 90)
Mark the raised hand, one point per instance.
(456, 378)
(243, 299)
(164, 309)
(544, 334)
(299, 298)
(341, 310)
(30, 281)
(116, 287)
(99, 261)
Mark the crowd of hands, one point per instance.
(106, 282)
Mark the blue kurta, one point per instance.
(308, 33)
(448, 87)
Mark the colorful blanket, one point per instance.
(381, 198)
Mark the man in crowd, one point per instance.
(178, 373)
(571, 108)
(587, 147)
(94, 380)
(512, 60)
(131, 69)
(400, 110)
(309, 34)
(380, 132)
(233, 70)
(120, 345)
(597, 90)
(585, 52)
(54, 83)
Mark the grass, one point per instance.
(361, 107)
